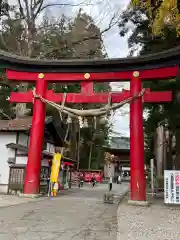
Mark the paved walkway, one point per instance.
(75, 215)
(9, 200)
(157, 222)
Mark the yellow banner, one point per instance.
(56, 163)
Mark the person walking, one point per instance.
(93, 181)
(119, 179)
(81, 181)
(110, 183)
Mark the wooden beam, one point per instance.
(152, 74)
(116, 97)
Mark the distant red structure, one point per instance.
(88, 175)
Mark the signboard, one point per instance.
(172, 187)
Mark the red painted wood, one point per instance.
(149, 97)
(71, 97)
(155, 97)
(31, 184)
(161, 73)
(21, 97)
(87, 87)
(138, 182)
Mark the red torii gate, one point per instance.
(87, 95)
(161, 66)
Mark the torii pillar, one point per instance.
(138, 182)
(31, 183)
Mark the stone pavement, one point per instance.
(156, 222)
(76, 214)
(9, 200)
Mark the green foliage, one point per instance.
(143, 36)
(97, 137)
(5, 89)
(160, 13)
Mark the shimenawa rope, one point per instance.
(90, 112)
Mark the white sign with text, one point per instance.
(171, 187)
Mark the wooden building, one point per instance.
(119, 156)
(14, 143)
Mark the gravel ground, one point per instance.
(157, 221)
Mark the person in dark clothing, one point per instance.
(117, 179)
(81, 181)
(93, 181)
(110, 183)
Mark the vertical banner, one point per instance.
(56, 163)
(171, 187)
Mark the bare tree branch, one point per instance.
(5, 115)
(82, 4)
(21, 9)
(27, 10)
(38, 7)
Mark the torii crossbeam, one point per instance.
(153, 67)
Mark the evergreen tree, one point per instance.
(143, 37)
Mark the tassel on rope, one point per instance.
(62, 105)
(95, 123)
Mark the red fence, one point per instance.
(87, 176)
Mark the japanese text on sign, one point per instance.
(172, 187)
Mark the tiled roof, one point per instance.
(120, 143)
(21, 124)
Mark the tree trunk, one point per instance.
(177, 160)
(169, 161)
(78, 146)
(73, 146)
(159, 150)
(90, 156)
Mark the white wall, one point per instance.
(21, 159)
(45, 162)
(23, 139)
(5, 153)
(50, 147)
